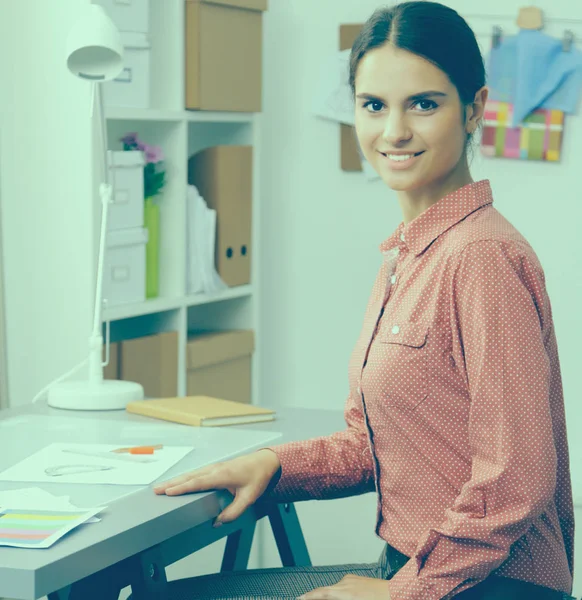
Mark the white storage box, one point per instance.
(128, 15)
(131, 88)
(124, 266)
(126, 176)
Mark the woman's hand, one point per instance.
(245, 477)
(351, 587)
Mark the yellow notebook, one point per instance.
(201, 411)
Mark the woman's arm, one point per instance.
(327, 467)
(499, 307)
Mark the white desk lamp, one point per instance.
(95, 53)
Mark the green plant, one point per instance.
(154, 172)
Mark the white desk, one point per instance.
(141, 533)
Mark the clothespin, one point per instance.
(530, 17)
(568, 40)
(496, 36)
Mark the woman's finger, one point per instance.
(201, 483)
(161, 488)
(242, 500)
(322, 593)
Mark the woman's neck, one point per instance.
(415, 202)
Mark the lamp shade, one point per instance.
(94, 47)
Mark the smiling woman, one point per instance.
(417, 103)
(455, 413)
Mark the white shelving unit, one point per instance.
(182, 133)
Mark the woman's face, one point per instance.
(409, 119)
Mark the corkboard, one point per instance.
(350, 158)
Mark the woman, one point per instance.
(455, 412)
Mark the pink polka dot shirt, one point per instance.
(455, 414)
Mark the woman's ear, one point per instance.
(476, 110)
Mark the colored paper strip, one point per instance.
(31, 525)
(23, 536)
(512, 143)
(536, 144)
(40, 517)
(8, 533)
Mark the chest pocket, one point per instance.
(405, 348)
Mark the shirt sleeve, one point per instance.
(498, 310)
(327, 467)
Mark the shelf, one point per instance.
(192, 116)
(239, 291)
(157, 305)
(143, 114)
(206, 116)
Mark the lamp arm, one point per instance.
(105, 193)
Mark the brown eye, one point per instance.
(373, 106)
(426, 105)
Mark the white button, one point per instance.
(395, 329)
(393, 279)
(359, 391)
(402, 236)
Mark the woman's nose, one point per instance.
(396, 129)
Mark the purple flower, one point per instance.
(130, 139)
(153, 154)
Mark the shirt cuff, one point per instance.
(280, 488)
(412, 590)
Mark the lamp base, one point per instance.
(89, 395)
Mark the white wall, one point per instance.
(322, 228)
(46, 195)
(3, 366)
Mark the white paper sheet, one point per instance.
(134, 471)
(212, 444)
(202, 276)
(34, 498)
(333, 98)
(34, 528)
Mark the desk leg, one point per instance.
(145, 573)
(288, 535)
(104, 585)
(238, 549)
(148, 581)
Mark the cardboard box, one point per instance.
(131, 88)
(224, 54)
(223, 176)
(152, 361)
(220, 365)
(128, 15)
(124, 266)
(350, 156)
(126, 174)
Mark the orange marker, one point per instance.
(140, 449)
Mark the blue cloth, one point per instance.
(531, 70)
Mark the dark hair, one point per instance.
(431, 30)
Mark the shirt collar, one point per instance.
(439, 217)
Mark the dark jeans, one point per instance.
(492, 588)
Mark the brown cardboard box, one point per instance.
(350, 157)
(219, 365)
(224, 54)
(223, 176)
(111, 371)
(152, 361)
